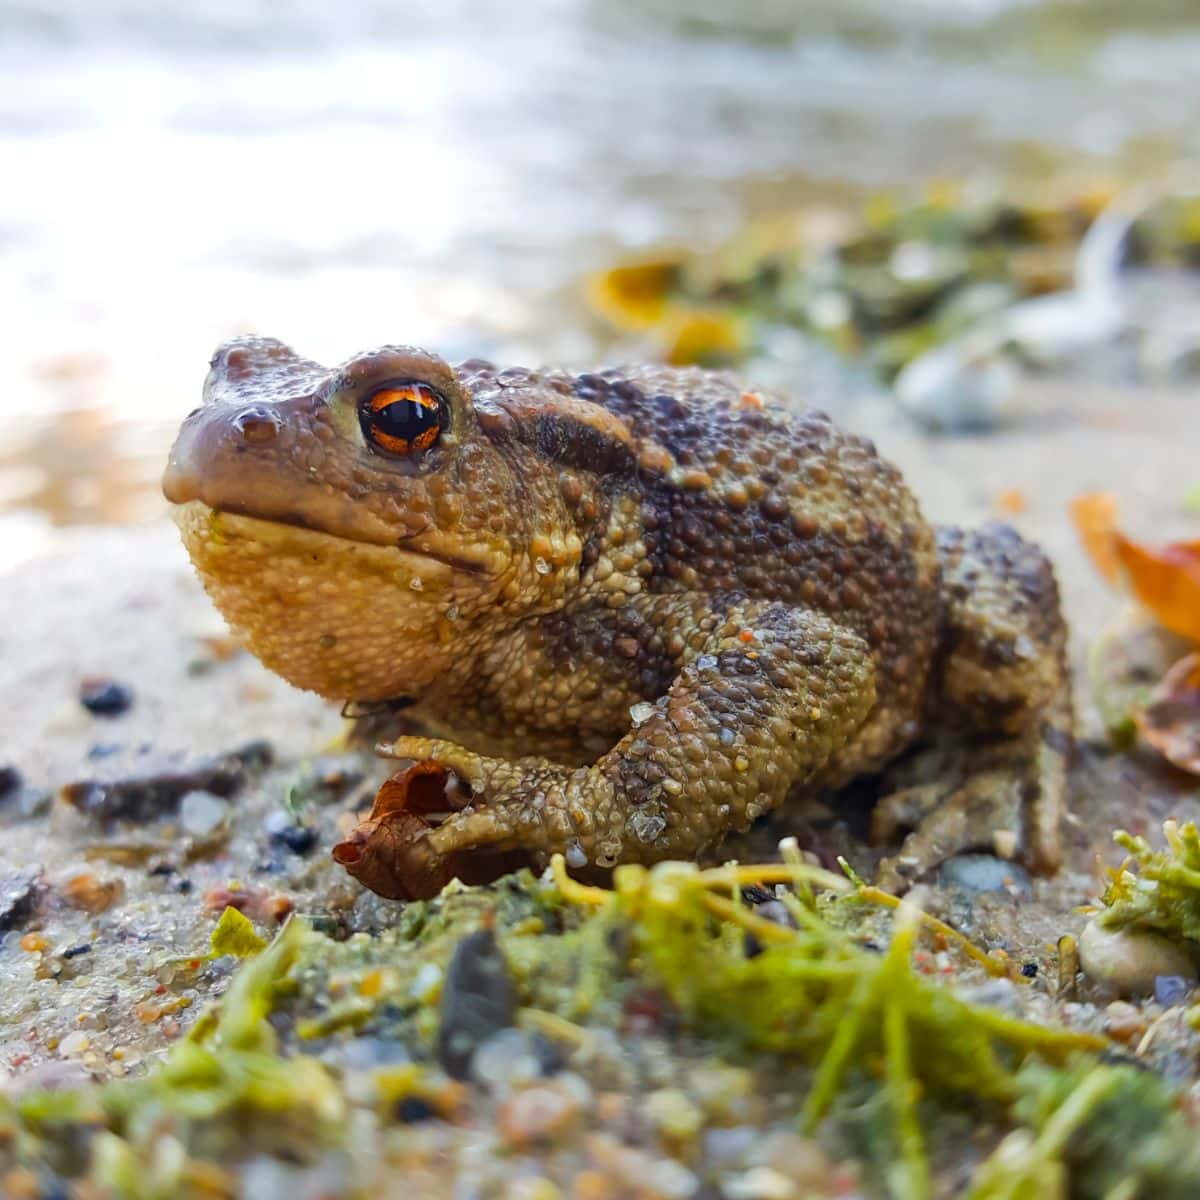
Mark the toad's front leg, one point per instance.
(769, 700)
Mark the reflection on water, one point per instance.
(341, 175)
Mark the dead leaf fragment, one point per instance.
(390, 852)
(1170, 722)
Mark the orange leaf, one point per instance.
(1165, 579)
(1095, 517)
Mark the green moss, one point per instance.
(1157, 889)
(1093, 1132)
(867, 1032)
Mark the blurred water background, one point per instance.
(444, 173)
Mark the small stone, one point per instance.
(539, 1114)
(10, 781)
(537, 1188)
(413, 1109)
(977, 873)
(641, 712)
(673, 1114)
(1123, 1022)
(74, 1044)
(426, 982)
(759, 1183)
(1130, 960)
(506, 1062)
(105, 697)
(201, 814)
(1170, 990)
(478, 1000)
(283, 831)
(157, 787)
(19, 893)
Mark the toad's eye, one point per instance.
(402, 417)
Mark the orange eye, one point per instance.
(402, 417)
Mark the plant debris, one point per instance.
(1170, 721)
(390, 853)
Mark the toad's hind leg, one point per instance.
(1002, 687)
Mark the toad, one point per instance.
(631, 610)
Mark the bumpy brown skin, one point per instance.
(678, 600)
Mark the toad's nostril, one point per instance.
(257, 425)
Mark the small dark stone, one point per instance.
(1170, 990)
(1029, 970)
(550, 1055)
(105, 697)
(184, 886)
(412, 1109)
(282, 831)
(19, 799)
(770, 910)
(155, 790)
(103, 750)
(76, 951)
(19, 894)
(478, 1000)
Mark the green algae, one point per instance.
(1157, 889)
(1093, 1132)
(258, 1073)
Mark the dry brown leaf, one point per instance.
(389, 852)
(1170, 722)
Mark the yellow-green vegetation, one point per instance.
(1093, 1130)
(1157, 889)
(816, 992)
(858, 1027)
(907, 275)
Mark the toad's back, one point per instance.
(732, 493)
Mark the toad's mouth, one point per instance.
(290, 525)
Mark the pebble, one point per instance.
(673, 1114)
(543, 1113)
(202, 814)
(158, 786)
(105, 697)
(19, 894)
(759, 1183)
(283, 831)
(1170, 990)
(985, 873)
(477, 1001)
(1124, 1022)
(1130, 960)
(74, 1044)
(507, 1061)
(10, 780)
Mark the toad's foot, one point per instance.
(774, 695)
(1008, 797)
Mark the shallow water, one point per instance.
(342, 175)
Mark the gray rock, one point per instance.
(1131, 960)
(478, 1000)
(985, 873)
